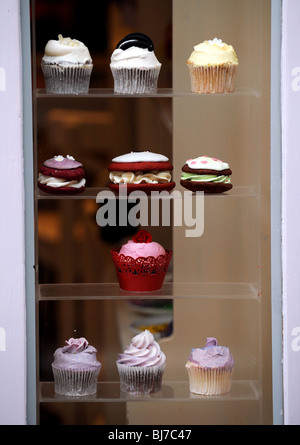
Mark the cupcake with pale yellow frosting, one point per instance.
(67, 66)
(213, 66)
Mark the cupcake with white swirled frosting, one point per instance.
(67, 66)
(141, 365)
(134, 65)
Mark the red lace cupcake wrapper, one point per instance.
(141, 274)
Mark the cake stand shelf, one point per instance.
(241, 390)
(92, 193)
(111, 291)
(99, 93)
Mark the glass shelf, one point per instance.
(161, 92)
(170, 392)
(111, 291)
(92, 192)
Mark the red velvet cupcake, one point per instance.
(144, 171)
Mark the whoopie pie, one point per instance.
(210, 175)
(141, 170)
(61, 175)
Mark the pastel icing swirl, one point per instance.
(143, 351)
(139, 177)
(212, 355)
(66, 51)
(213, 52)
(77, 354)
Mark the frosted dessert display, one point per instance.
(62, 175)
(67, 66)
(210, 175)
(141, 264)
(141, 365)
(76, 368)
(210, 369)
(213, 66)
(134, 66)
(141, 170)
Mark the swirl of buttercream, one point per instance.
(143, 351)
(77, 354)
(212, 355)
(59, 182)
(213, 52)
(66, 50)
(139, 177)
(134, 57)
(75, 345)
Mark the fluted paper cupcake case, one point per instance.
(140, 379)
(67, 79)
(70, 382)
(207, 381)
(213, 79)
(135, 80)
(141, 274)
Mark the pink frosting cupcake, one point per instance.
(75, 368)
(141, 264)
(210, 369)
(142, 365)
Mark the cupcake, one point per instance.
(144, 171)
(210, 369)
(61, 175)
(142, 365)
(67, 66)
(141, 264)
(209, 175)
(212, 66)
(134, 66)
(75, 368)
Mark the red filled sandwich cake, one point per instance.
(144, 170)
(61, 175)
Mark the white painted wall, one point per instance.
(12, 276)
(291, 209)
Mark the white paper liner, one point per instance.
(213, 79)
(70, 382)
(67, 80)
(135, 80)
(209, 381)
(140, 379)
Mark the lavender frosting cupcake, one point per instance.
(75, 368)
(142, 365)
(210, 369)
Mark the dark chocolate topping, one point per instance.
(136, 39)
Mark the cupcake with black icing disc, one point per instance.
(134, 66)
